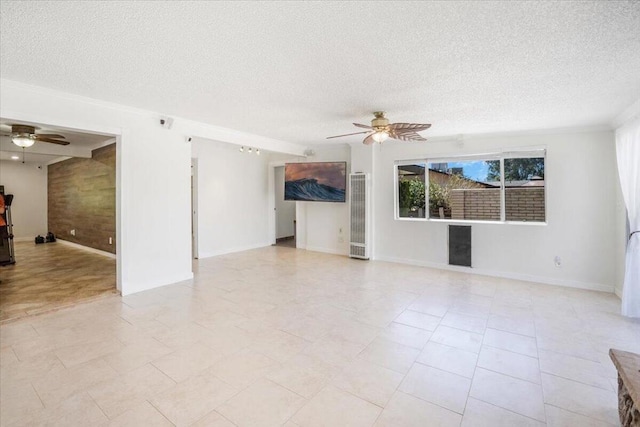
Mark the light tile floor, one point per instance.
(279, 336)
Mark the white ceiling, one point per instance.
(301, 71)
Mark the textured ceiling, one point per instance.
(301, 71)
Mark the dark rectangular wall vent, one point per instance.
(460, 245)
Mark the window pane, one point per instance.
(524, 189)
(411, 191)
(465, 190)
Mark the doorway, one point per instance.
(78, 260)
(285, 213)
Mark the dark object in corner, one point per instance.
(7, 255)
(460, 245)
(50, 237)
(39, 239)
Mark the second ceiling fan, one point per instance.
(25, 136)
(381, 129)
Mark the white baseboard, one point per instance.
(325, 250)
(618, 292)
(507, 275)
(141, 287)
(204, 254)
(85, 248)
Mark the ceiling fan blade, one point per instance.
(347, 134)
(408, 127)
(406, 136)
(368, 140)
(53, 141)
(362, 126)
(50, 135)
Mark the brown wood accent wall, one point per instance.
(82, 197)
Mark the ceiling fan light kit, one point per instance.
(25, 136)
(380, 137)
(23, 140)
(380, 130)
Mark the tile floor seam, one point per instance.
(280, 385)
(512, 411)
(514, 333)
(509, 351)
(463, 330)
(96, 403)
(579, 382)
(567, 355)
(367, 400)
(38, 394)
(433, 403)
(544, 405)
(579, 414)
(510, 376)
(15, 354)
(475, 369)
(441, 370)
(359, 398)
(154, 407)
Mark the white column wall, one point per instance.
(153, 180)
(319, 223)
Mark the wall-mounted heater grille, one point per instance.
(360, 243)
(460, 245)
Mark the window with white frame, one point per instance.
(505, 187)
(411, 189)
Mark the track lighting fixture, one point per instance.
(250, 150)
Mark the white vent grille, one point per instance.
(359, 198)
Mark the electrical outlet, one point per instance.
(111, 240)
(73, 232)
(557, 261)
(340, 239)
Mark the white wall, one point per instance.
(582, 213)
(622, 233)
(152, 175)
(232, 198)
(28, 184)
(285, 210)
(153, 180)
(319, 223)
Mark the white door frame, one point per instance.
(271, 182)
(194, 208)
(120, 134)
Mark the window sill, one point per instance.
(471, 221)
